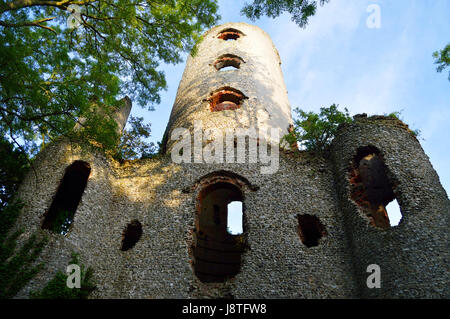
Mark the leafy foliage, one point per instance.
(133, 144)
(300, 10)
(57, 288)
(443, 59)
(397, 115)
(16, 267)
(50, 73)
(316, 131)
(13, 166)
(62, 222)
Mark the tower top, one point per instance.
(233, 80)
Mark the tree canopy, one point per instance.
(300, 10)
(443, 59)
(56, 71)
(12, 169)
(50, 72)
(57, 58)
(315, 131)
(132, 145)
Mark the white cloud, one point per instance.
(322, 64)
(297, 46)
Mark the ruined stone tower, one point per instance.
(234, 80)
(155, 228)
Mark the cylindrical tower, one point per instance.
(378, 159)
(233, 80)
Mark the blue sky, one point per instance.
(338, 59)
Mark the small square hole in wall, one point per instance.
(131, 235)
(310, 230)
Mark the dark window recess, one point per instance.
(60, 215)
(131, 235)
(217, 253)
(310, 230)
(230, 34)
(370, 187)
(225, 99)
(228, 61)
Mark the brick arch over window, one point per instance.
(67, 198)
(225, 98)
(370, 186)
(230, 34)
(221, 176)
(228, 60)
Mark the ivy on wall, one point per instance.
(17, 267)
(57, 288)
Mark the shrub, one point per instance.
(316, 131)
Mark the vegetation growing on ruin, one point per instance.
(240, 242)
(198, 40)
(57, 288)
(17, 265)
(397, 115)
(315, 131)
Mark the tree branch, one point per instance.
(20, 4)
(33, 118)
(36, 23)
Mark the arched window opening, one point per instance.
(131, 235)
(371, 188)
(235, 218)
(217, 252)
(228, 62)
(310, 230)
(226, 99)
(230, 34)
(60, 215)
